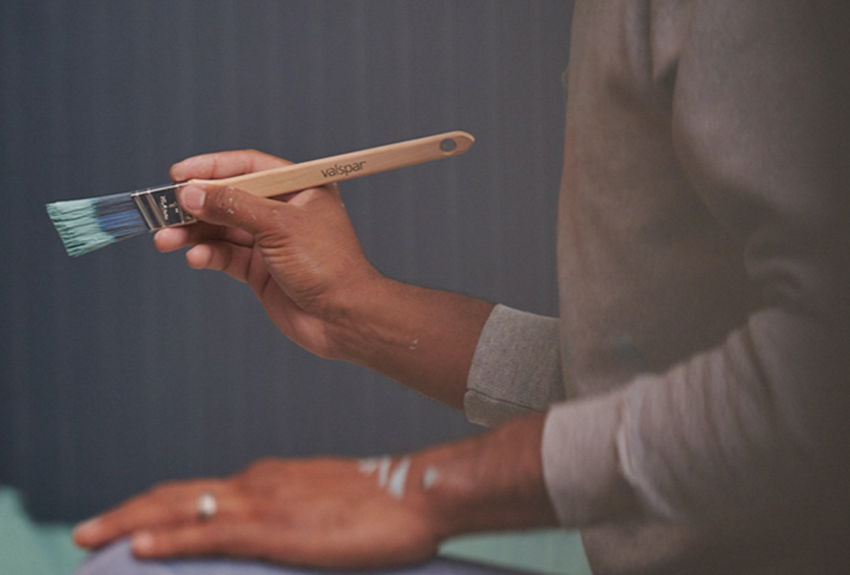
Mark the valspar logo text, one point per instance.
(344, 170)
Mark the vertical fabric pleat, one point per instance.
(123, 367)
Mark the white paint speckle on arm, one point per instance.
(399, 479)
(384, 471)
(430, 477)
(390, 476)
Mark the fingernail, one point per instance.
(192, 198)
(143, 543)
(88, 528)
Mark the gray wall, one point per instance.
(124, 367)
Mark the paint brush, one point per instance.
(88, 224)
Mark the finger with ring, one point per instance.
(206, 506)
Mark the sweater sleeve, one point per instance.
(516, 368)
(760, 124)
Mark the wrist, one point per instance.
(491, 482)
(354, 321)
(422, 338)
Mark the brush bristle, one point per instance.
(92, 223)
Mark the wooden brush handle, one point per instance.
(347, 166)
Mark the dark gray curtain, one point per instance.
(123, 368)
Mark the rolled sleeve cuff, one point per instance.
(516, 368)
(581, 459)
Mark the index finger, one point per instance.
(169, 504)
(224, 165)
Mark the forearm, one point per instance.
(490, 482)
(422, 338)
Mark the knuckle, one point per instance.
(263, 466)
(247, 508)
(166, 494)
(163, 488)
(260, 477)
(278, 225)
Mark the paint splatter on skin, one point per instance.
(430, 477)
(384, 471)
(393, 480)
(399, 479)
(368, 466)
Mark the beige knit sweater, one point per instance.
(700, 366)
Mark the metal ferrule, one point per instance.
(160, 209)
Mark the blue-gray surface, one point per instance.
(124, 368)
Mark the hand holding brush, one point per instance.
(303, 261)
(300, 256)
(88, 224)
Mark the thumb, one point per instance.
(229, 206)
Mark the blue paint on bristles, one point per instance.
(92, 223)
